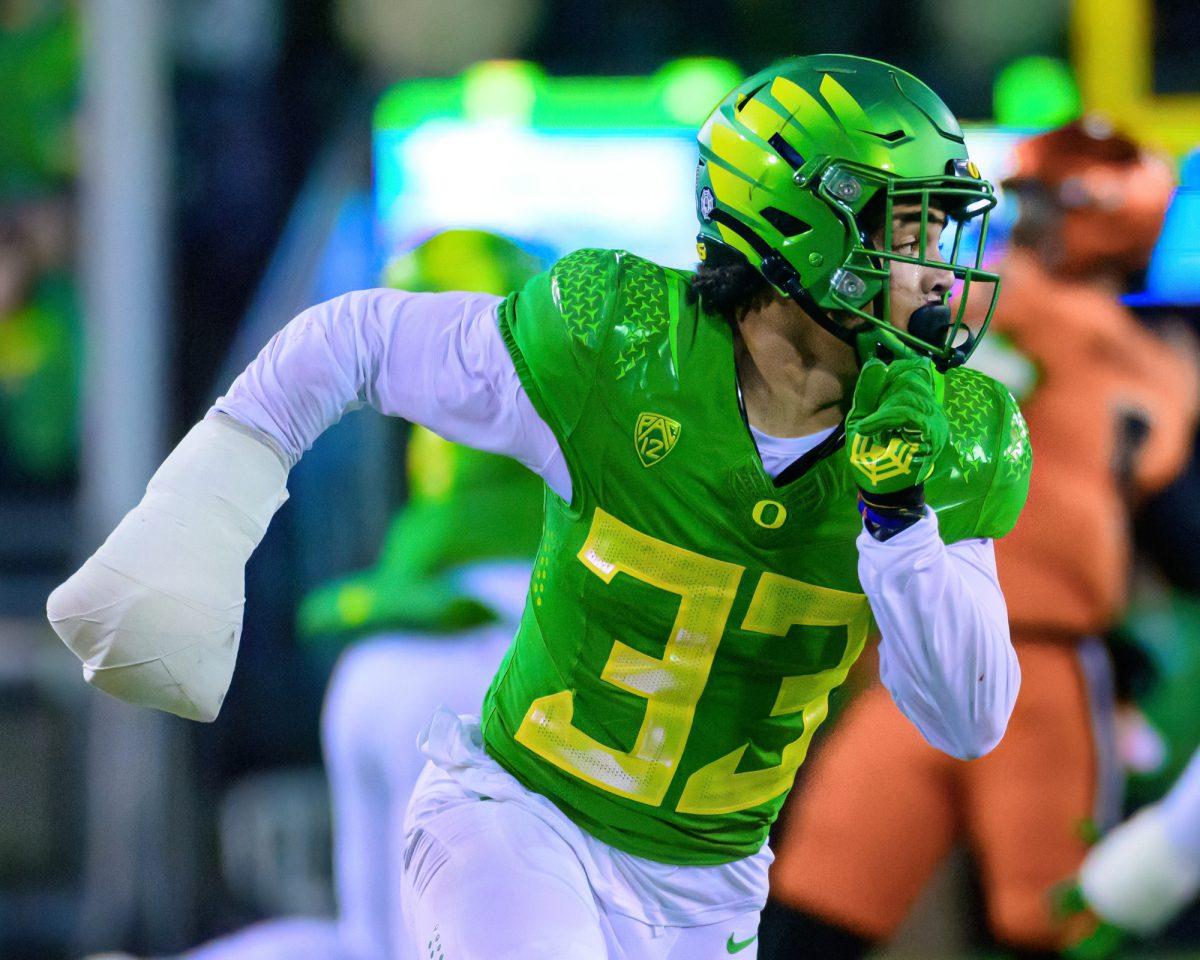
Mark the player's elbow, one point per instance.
(966, 733)
(957, 734)
(981, 734)
(979, 743)
(989, 706)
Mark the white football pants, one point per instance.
(491, 880)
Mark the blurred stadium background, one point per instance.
(177, 180)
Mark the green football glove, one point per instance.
(1089, 936)
(896, 427)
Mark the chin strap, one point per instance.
(778, 272)
(783, 275)
(925, 321)
(930, 323)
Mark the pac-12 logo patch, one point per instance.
(707, 202)
(655, 436)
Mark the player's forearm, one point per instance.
(945, 656)
(400, 352)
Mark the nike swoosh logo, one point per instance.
(735, 946)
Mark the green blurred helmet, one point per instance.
(802, 161)
(474, 260)
(464, 506)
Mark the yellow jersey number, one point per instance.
(672, 684)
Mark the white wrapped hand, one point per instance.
(156, 613)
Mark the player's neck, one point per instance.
(795, 377)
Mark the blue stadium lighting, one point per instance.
(1173, 278)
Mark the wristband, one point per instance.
(887, 514)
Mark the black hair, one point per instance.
(725, 283)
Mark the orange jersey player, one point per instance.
(1111, 410)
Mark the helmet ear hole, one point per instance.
(785, 150)
(784, 222)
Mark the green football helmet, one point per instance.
(802, 161)
(475, 260)
(464, 506)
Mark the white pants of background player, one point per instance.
(381, 695)
(493, 871)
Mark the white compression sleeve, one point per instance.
(436, 359)
(156, 613)
(945, 654)
(1147, 869)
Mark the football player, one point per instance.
(1111, 410)
(743, 466)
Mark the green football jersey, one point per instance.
(688, 616)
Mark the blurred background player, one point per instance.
(428, 625)
(1141, 875)
(40, 338)
(1110, 410)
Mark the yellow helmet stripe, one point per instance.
(731, 189)
(732, 149)
(804, 109)
(734, 240)
(844, 105)
(761, 119)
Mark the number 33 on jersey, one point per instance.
(688, 618)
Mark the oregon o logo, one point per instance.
(769, 514)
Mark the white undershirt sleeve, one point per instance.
(945, 654)
(436, 359)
